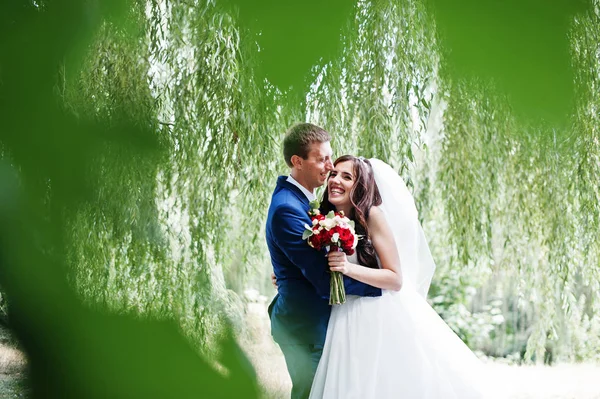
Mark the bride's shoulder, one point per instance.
(377, 221)
(375, 211)
(375, 215)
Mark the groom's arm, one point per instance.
(288, 224)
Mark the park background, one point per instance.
(142, 141)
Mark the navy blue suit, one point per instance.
(300, 311)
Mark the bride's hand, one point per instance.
(339, 263)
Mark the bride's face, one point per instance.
(341, 180)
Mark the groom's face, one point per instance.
(317, 165)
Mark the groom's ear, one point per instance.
(296, 161)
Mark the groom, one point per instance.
(300, 311)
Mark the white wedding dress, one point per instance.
(396, 346)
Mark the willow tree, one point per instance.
(501, 198)
(522, 206)
(511, 216)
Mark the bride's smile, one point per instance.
(339, 185)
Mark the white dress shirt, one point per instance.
(309, 195)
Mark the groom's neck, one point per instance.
(300, 179)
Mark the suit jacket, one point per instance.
(300, 311)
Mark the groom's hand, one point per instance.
(274, 280)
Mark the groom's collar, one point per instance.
(283, 183)
(308, 194)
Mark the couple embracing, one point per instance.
(385, 341)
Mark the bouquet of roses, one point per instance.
(331, 232)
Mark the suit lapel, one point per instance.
(286, 185)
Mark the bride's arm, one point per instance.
(389, 277)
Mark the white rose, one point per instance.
(335, 237)
(327, 223)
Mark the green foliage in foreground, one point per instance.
(511, 208)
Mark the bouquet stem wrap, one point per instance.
(337, 292)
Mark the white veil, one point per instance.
(401, 214)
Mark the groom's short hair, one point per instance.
(298, 139)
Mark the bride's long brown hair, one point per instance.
(364, 194)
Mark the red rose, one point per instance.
(346, 236)
(317, 241)
(322, 239)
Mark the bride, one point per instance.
(393, 346)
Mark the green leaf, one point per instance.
(306, 234)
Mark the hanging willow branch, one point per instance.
(511, 219)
